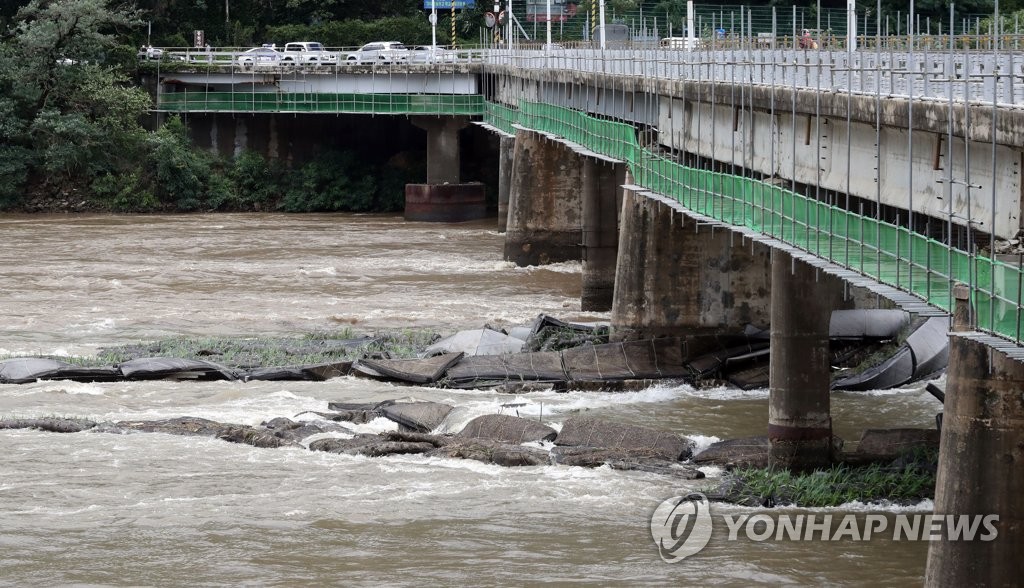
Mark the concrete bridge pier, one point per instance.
(602, 183)
(678, 278)
(506, 151)
(799, 410)
(981, 462)
(544, 208)
(443, 198)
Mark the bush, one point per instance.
(15, 163)
(124, 193)
(333, 182)
(256, 183)
(182, 174)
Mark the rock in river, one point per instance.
(591, 432)
(507, 429)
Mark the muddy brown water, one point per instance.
(152, 509)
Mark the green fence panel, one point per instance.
(439, 104)
(883, 251)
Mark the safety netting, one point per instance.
(886, 252)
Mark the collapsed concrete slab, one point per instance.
(490, 370)
(748, 452)
(21, 370)
(591, 432)
(422, 417)
(174, 368)
(507, 429)
(414, 371)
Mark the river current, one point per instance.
(154, 509)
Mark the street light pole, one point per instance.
(851, 25)
(433, 23)
(549, 24)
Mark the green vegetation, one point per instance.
(315, 348)
(247, 352)
(905, 482)
(71, 133)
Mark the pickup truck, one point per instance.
(307, 53)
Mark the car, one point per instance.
(307, 53)
(685, 43)
(259, 57)
(379, 52)
(431, 54)
(150, 52)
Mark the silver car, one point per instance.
(379, 52)
(258, 57)
(431, 54)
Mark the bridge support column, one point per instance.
(981, 462)
(442, 147)
(677, 278)
(799, 411)
(544, 216)
(506, 150)
(601, 204)
(443, 198)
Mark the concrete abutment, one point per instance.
(981, 462)
(677, 277)
(545, 202)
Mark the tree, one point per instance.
(66, 114)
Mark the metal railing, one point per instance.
(984, 77)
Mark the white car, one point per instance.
(431, 54)
(150, 52)
(379, 52)
(259, 57)
(307, 53)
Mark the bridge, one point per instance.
(708, 189)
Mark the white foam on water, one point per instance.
(70, 387)
(926, 505)
(544, 406)
(557, 403)
(909, 390)
(725, 393)
(562, 267)
(711, 471)
(702, 442)
(327, 271)
(377, 425)
(103, 325)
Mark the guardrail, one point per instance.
(234, 57)
(285, 102)
(987, 77)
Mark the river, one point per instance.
(154, 509)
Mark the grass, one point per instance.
(906, 481)
(243, 352)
